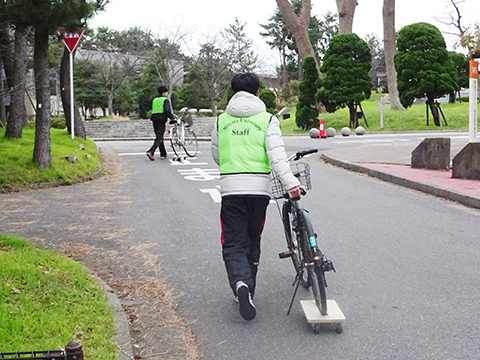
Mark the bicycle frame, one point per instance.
(304, 252)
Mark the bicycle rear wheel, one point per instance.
(294, 246)
(191, 143)
(316, 274)
(175, 141)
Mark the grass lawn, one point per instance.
(412, 119)
(48, 300)
(17, 169)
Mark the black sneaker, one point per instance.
(245, 304)
(150, 155)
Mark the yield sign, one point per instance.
(70, 39)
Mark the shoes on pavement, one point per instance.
(245, 303)
(163, 157)
(150, 155)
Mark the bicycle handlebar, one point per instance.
(300, 154)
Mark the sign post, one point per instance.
(71, 39)
(381, 108)
(472, 99)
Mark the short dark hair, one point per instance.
(162, 89)
(248, 82)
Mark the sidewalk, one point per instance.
(392, 163)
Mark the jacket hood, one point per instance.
(245, 104)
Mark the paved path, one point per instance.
(392, 163)
(101, 240)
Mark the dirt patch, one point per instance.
(77, 220)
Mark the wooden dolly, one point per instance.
(315, 318)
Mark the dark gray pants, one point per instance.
(242, 218)
(159, 128)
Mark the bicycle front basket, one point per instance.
(188, 120)
(301, 170)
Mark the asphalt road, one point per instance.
(407, 263)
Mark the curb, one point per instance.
(463, 199)
(123, 340)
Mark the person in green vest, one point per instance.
(247, 144)
(161, 111)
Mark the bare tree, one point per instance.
(346, 11)
(299, 25)
(114, 69)
(469, 39)
(212, 69)
(390, 48)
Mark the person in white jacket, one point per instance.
(247, 145)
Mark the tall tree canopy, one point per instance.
(346, 68)
(239, 48)
(424, 66)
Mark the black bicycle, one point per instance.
(308, 260)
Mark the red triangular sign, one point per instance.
(70, 39)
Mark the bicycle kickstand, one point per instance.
(297, 280)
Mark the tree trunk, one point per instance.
(42, 149)
(110, 102)
(6, 62)
(434, 109)
(213, 106)
(7, 54)
(299, 27)
(17, 117)
(353, 115)
(3, 114)
(346, 11)
(79, 128)
(390, 48)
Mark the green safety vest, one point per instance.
(157, 105)
(241, 143)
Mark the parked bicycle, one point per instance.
(308, 260)
(182, 137)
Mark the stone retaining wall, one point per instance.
(139, 129)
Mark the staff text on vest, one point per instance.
(241, 132)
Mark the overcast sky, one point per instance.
(202, 19)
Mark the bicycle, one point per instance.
(182, 137)
(308, 260)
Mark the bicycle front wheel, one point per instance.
(175, 141)
(191, 143)
(317, 279)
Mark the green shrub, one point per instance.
(58, 122)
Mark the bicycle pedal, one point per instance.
(285, 255)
